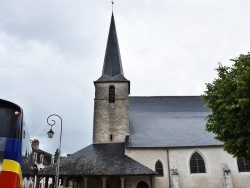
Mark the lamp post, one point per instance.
(50, 135)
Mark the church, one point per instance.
(147, 142)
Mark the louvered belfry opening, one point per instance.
(111, 94)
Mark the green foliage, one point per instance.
(228, 96)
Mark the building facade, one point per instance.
(41, 160)
(147, 142)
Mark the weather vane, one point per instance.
(112, 4)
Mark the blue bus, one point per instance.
(15, 151)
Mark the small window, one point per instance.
(41, 158)
(243, 166)
(111, 94)
(197, 164)
(35, 156)
(111, 137)
(159, 168)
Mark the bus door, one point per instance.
(2, 148)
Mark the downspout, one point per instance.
(169, 175)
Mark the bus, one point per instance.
(15, 150)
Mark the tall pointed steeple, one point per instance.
(111, 120)
(112, 66)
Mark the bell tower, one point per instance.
(111, 121)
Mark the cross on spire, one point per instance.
(112, 4)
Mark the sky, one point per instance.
(51, 51)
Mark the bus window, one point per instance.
(10, 123)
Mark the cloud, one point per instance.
(52, 51)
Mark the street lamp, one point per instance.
(50, 135)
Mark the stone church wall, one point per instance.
(110, 118)
(149, 157)
(215, 158)
(132, 182)
(179, 159)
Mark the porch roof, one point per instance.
(98, 159)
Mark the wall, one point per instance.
(110, 118)
(214, 158)
(148, 157)
(132, 182)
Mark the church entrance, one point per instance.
(142, 184)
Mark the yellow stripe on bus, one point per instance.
(13, 166)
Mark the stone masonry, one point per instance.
(111, 122)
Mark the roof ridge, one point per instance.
(165, 96)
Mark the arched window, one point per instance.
(111, 94)
(159, 168)
(242, 165)
(197, 164)
(142, 184)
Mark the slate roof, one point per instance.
(112, 66)
(177, 121)
(27, 170)
(99, 159)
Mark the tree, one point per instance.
(228, 96)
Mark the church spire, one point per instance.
(112, 67)
(111, 96)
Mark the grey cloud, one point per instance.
(52, 51)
